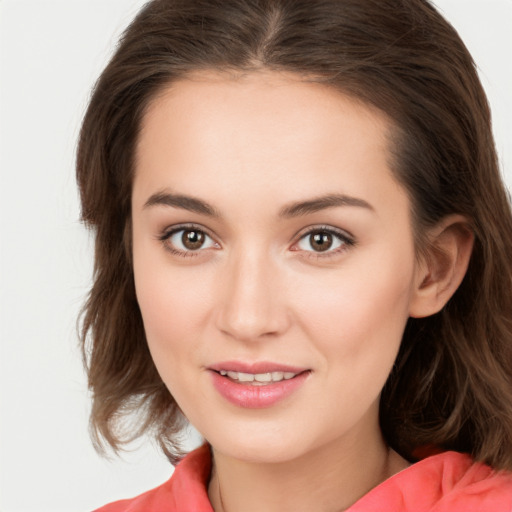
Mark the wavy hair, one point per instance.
(451, 386)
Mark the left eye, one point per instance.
(321, 241)
(189, 239)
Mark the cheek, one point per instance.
(363, 304)
(172, 300)
(172, 304)
(356, 321)
(173, 311)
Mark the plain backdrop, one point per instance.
(51, 53)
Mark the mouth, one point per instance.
(257, 379)
(257, 385)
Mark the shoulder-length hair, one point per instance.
(451, 386)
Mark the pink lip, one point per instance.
(254, 396)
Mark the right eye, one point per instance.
(184, 241)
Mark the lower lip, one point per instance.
(254, 396)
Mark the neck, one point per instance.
(326, 479)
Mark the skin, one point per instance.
(258, 290)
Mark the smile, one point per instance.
(257, 385)
(258, 379)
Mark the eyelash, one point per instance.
(346, 240)
(343, 237)
(167, 234)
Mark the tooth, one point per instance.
(263, 377)
(258, 377)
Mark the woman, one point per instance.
(302, 247)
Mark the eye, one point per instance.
(186, 240)
(324, 240)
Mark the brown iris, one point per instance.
(192, 239)
(321, 241)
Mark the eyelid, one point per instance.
(169, 231)
(347, 239)
(344, 236)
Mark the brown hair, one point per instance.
(451, 386)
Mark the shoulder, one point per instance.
(447, 482)
(471, 486)
(185, 491)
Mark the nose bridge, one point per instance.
(252, 304)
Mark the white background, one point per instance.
(51, 53)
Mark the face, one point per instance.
(274, 260)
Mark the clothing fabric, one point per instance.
(447, 482)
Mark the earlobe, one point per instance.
(440, 273)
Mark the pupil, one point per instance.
(192, 239)
(321, 241)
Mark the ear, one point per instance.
(441, 271)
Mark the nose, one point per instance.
(252, 304)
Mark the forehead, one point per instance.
(262, 132)
(262, 99)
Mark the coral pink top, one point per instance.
(447, 482)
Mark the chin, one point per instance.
(264, 447)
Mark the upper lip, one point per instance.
(255, 367)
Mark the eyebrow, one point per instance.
(189, 203)
(295, 209)
(322, 203)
